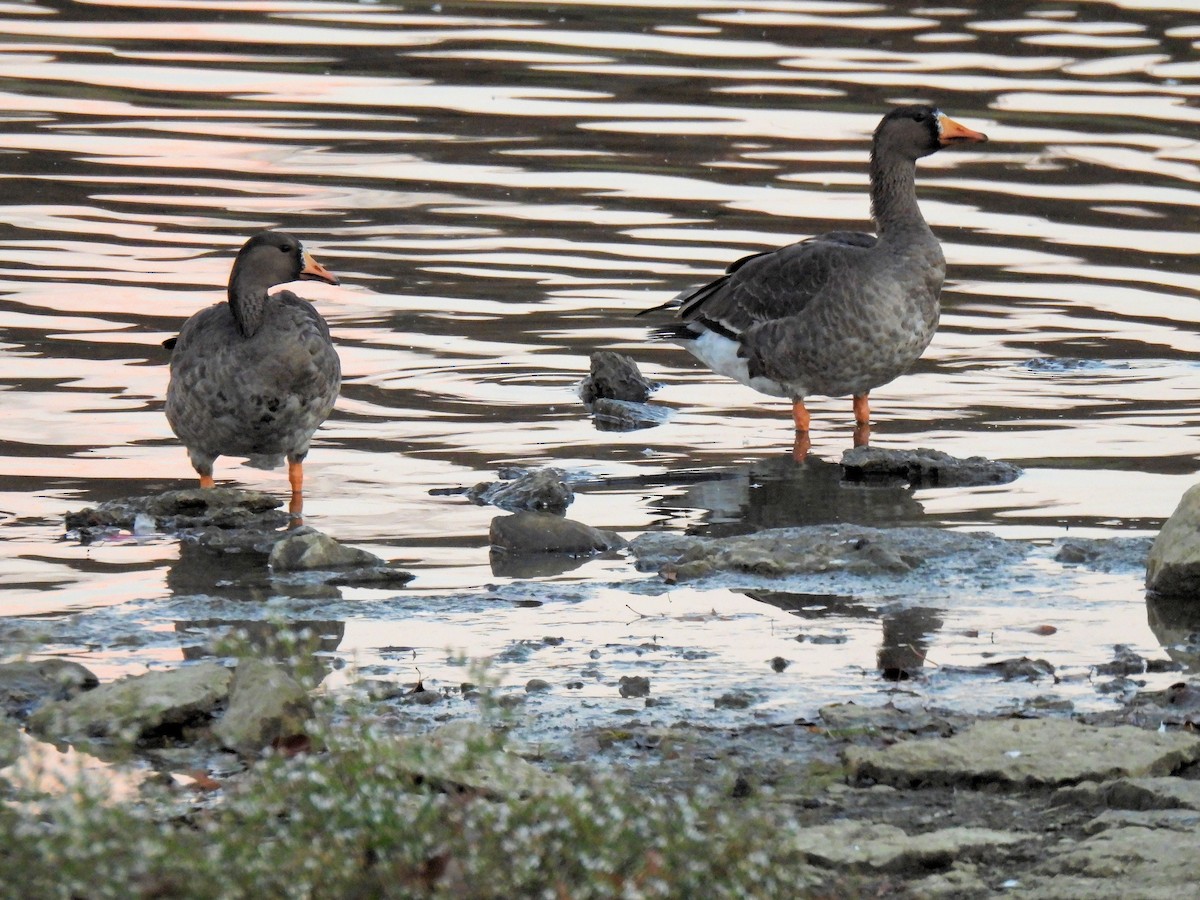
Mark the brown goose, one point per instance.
(256, 376)
(840, 313)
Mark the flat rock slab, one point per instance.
(1118, 864)
(888, 848)
(925, 468)
(814, 549)
(1026, 753)
(136, 707)
(176, 511)
(1138, 794)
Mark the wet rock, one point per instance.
(1021, 669)
(634, 686)
(778, 663)
(624, 415)
(734, 700)
(314, 550)
(847, 718)
(385, 576)
(536, 686)
(25, 685)
(177, 511)
(538, 532)
(1173, 566)
(1104, 554)
(1026, 753)
(925, 468)
(1127, 661)
(544, 490)
(137, 707)
(1178, 704)
(881, 847)
(266, 706)
(615, 377)
(812, 549)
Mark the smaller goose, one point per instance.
(840, 313)
(256, 376)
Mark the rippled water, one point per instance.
(500, 186)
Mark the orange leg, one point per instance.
(206, 481)
(296, 478)
(802, 419)
(862, 420)
(800, 416)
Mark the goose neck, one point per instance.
(894, 195)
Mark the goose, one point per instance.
(840, 313)
(255, 376)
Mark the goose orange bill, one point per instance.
(315, 271)
(950, 132)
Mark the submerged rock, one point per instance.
(615, 377)
(25, 685)
(539, 532)
(1017, 753)
(1173, 567)
(610, 414)
(137, 707)
(544, 490)
(925, 468)
(809, 549)
(266, 706)
(177, 511)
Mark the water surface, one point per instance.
(500, 186)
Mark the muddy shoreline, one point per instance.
(1032, 795)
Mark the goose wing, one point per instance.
(762, 287)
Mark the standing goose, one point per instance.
(840, 313)
(256, 376)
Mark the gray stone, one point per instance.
(545, 490)
(616, 377)
(536, 685)
(1026, 753)
(925, 467)
(887, 848)
(626, 415)
(317, 551)
(539, 532)
(265, 706)
(812, 549)
(1173, 567)
(139, 706)
(25, 685)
